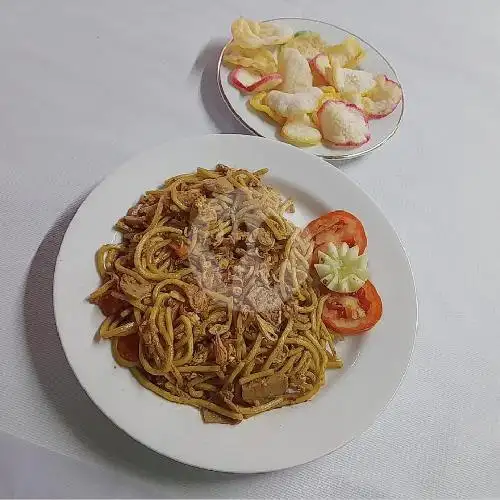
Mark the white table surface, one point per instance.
(86, 85)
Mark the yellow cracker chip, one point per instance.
(252, 34)
(262, 60)
(328, 94)
(300, 131)
(328, 89)
(258, 102)
(349, 53)
(352, 97)
(309, 44)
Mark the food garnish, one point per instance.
(335, 227)
(341, 268)
(353, 313)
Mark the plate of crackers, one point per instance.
(310, 84)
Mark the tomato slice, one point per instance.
(336, 227)
(353, 313)
(128, 347)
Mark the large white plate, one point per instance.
(381, 130)
(352, 398)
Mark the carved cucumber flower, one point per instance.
(342, 269)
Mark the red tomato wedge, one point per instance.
(353, 313)
(128, 347)
(336, 227)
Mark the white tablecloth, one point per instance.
(86, 85)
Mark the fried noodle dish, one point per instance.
(209, 299)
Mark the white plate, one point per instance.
(381, 130)
(352, 398)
